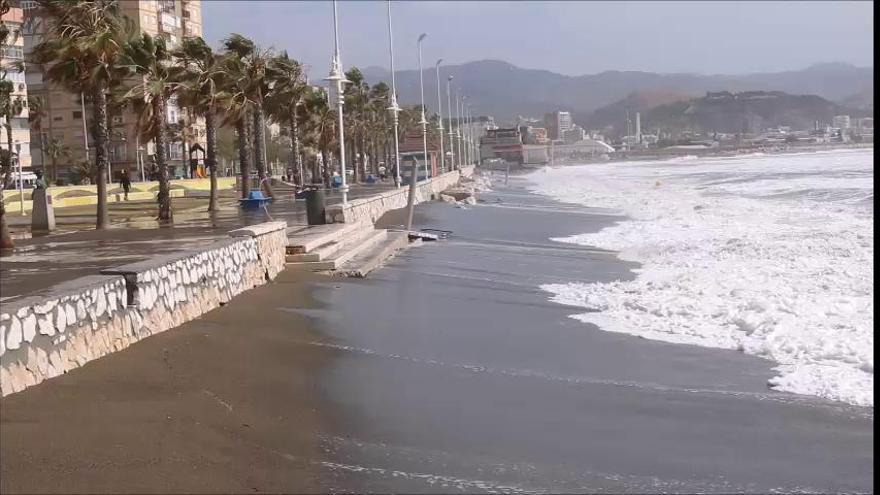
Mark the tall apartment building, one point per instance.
(556, 124)
(841, 122)
(66, 117)
(11, 55)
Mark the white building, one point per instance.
(841, 122)
(14, 54)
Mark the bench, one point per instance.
(255, 199)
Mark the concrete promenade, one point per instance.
(97, 294)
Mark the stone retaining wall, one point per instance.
(81, 320)
(373, 207)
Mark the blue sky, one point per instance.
(568, 37)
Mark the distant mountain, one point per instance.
(505, 91)
(862, 100)
(614, 115)
(727, 112)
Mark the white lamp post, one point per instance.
(458, 126)
(424, 121)
(464, 134)
(452, 154)
(20, 178)
(394, 109)
(337, 77)
(440, 119)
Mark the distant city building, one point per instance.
(533, 135)
(557, 123)
(67, 116)
(503, 143)
(865, 123)
(412, 149)
(11, 56)
(585, 149)
(574, 135)
(841, 122)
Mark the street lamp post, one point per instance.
(440, 119)
(338, 78)
(394, 109)
(458, 126)
(20, 178)
(471, 135)
(411, 200)
(465, 133)
(452, 154)
(424, 121)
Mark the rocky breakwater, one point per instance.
(75, 322)
(465, 191)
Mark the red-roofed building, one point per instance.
(411, 148)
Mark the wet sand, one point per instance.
(227, 403)
(447, 370)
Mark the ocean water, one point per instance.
(772, 255)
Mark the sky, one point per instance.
(567, 37)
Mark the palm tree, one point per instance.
(283, 103)
(36, 113)
(11, 106)
(356, 98)
(81, 51)
(201, 76)
(250, 72)
(149, 58)
(56, 149)
(319, 120)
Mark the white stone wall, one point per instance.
(373, 207)
(84, 319)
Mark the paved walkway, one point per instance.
(76, 249)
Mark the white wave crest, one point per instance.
(739, 253)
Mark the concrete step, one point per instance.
(343, 255)
(370, 259)
(327, 251)
(308, 239)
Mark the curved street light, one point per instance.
(452, 154)
(394, 108)
(338, 77)
(440, 118)
(424, 121)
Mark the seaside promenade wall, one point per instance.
(75, 322)
(64, 196)
(373, 207)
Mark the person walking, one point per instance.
(125, 182)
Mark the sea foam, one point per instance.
(771, 255)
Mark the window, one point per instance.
(57, 118)
(117, 119)
(28, 4)
(77, 114)
(176, 151)
(12, 52)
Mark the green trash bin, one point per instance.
(315, 213)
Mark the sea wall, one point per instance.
(75, 322)
(373, 207)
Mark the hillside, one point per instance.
(504, 90)
(615, 114)
(750, 111)
(862, 100)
